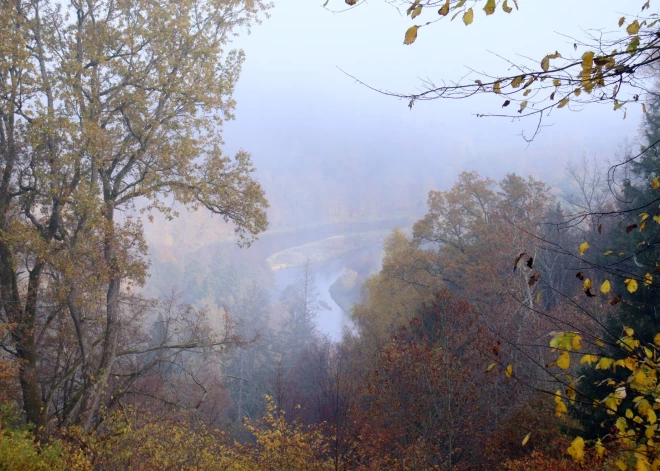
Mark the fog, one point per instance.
(337, 159)
(241, 236)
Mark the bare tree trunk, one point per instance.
(91, 398)
(21, 317)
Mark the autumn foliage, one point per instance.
(507, 330)
(427, 393)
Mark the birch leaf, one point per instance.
(411, 35)
(468, 17)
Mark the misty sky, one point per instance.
(293, 100)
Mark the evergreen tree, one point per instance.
(635, 253)
(248, 367)
(299, 325)
(193, 286)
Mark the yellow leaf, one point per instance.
(563, 103)
(523, 105)
(621, 465)
(556, 82)
(564, 361)
(506, 7)
(633, 28)
(490, 7)
(622, 20)
(641, 464)
(656, 339)
(490, 367)
(517, 81)
(527, 92)
(655, 184)
(587, 284)
(576, 450)
(611, 404)
(628, 331)
(644, 216)
(545, 63)
(468, 17)
(604, 364)
(587, 61)
(560, 409)
(631, 285)
(509, 371)
(557, 396)
(411, 35)
(644, 108)
(629, 362)
(621, 424)
(416, 12)
(605, 287)
(608, 252)
(583, 247)
(650, 430)
(444, 11)
(633, 46)
(656, 219)
(526, 439)
(575, 342)
(600, 449)
(589, 359)
(648, 279)
(577, 91)
(496, 87)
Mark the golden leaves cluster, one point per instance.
(636, 426)
(461, 8)
(557, 86)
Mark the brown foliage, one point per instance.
(429, 396)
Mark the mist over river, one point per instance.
(274, 262)
(331, 318)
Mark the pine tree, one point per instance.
(299, 325)
(249, 367)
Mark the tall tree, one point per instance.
(103, 104)
(298, 328)
(631, 252)
(249, 367)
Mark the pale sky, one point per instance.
(292, 99)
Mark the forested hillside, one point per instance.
(165, 305)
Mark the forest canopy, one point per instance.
(512, 326)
